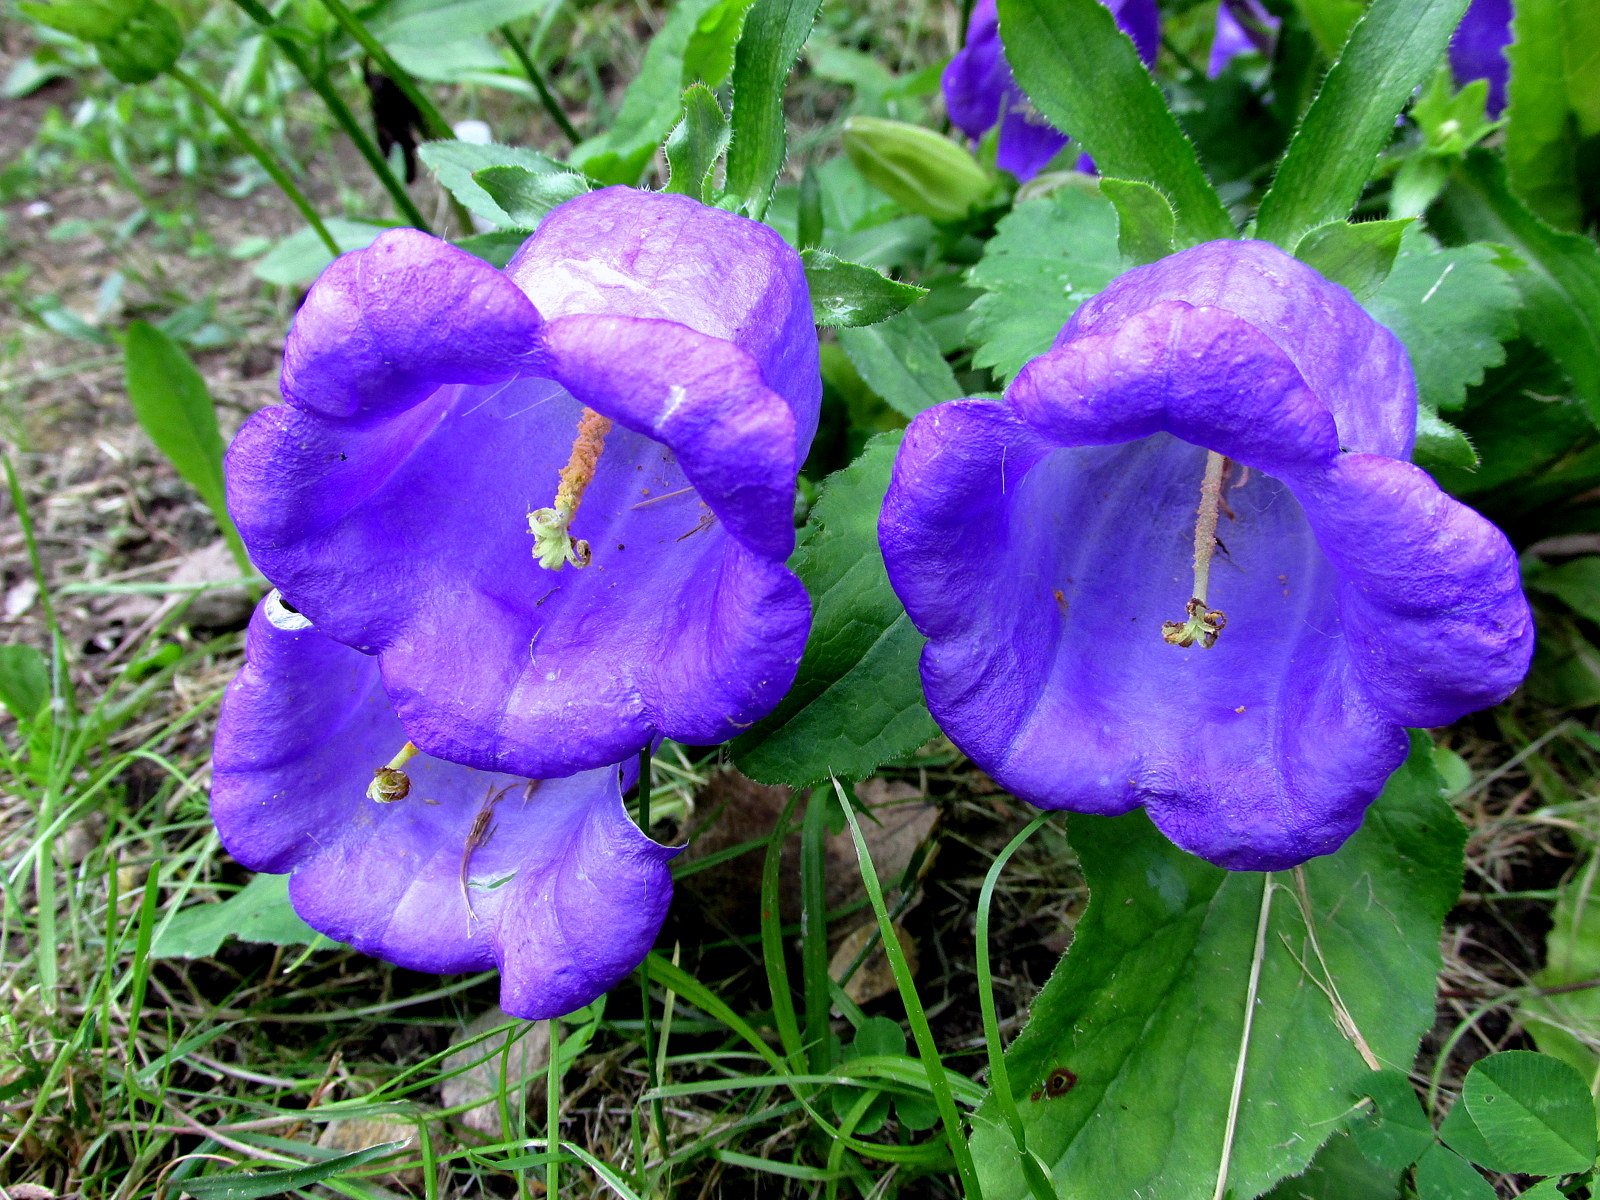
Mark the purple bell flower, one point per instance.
(1248, 675)
(548, 880)
(1243, 27)
(1478, 50)
(979, 89)
(555, 502)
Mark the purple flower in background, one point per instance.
(555, 502)
(1243, 27)
(1478, 49)
(979, 89)
(1048, 546)
(548, 880)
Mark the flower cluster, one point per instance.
(522, 524)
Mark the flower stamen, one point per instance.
(553, 543)
(390, 782)
(1201, 624)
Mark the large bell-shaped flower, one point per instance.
(1184, 564)
(556, 502)
(548, 880)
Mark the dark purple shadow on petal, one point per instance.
(566, 894)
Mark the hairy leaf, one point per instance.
(900, 361)
(456, 164)
(850, 294)
(774, 32)
(1358, 256)
(695, 144)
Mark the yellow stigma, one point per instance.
(390, 782)
(1201, 624)
(553, 543)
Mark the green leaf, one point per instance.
(695, 144)
(1340, 1172)
(1084, 75)
(258, 912)
(24, 682)
(1398, 1132)
(1559, 276)
(1358, 256)
(299, 258)
(773, 34)
(857, 701)
(431, 24)
(1330, 21)
(691, 47)
(1535, 1112)
(923, 171)
(1441, 444)
(1047, 257)
(1453, 309)
(495, 247)
(525, 196)
(1147, 1008)
(136, 40)
(277, 1183)
(1541, 129)
(1146, 223)
(900, 361)
(171, 401)
(456, 164)
(1566, 1023)
(1392, 50)
(1577, 585)
(1443, 1175)
(849, 294)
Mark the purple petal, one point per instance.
(407, 536)
(1243, 27)
(564, 893)
(1478, 49)
(1040, 542)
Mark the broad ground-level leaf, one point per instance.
(24, 681)
(1443, 1174)
(456, 163)
(899, 360)
(1534, 1111)
(1566, 1023)
(258, 912)
(1453, 308)
(1047, 257)
(1147, 1010)
(857, 701)
(299, 258)
(1340, 1172)
(1558, 275)
(527, 196)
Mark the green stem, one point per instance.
(263, 156)
(552, 1114)
(536, 77)
(657, 1110)
(437, 126)
(340, 111)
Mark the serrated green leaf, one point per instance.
(1358, 256)
(258, 912)
(1392, 51)
(1541, 129)
(170, 398)
(653, 101)
(923, 171)
(1440, 444)
(1340, 1172)
(455, 164)
(1398, 1131)
(1444, 1175)
(857, 700)
(1047, 257)
(847, 294)
(1559, 275)
(773, 34)
(695, 144)
(1534, 1111)
(1084, 75)
(24, 682)
(277, 1183)
(1147, 1008)
(1146, 223)
(1453, 309)
(900, 361)
(526, 197)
